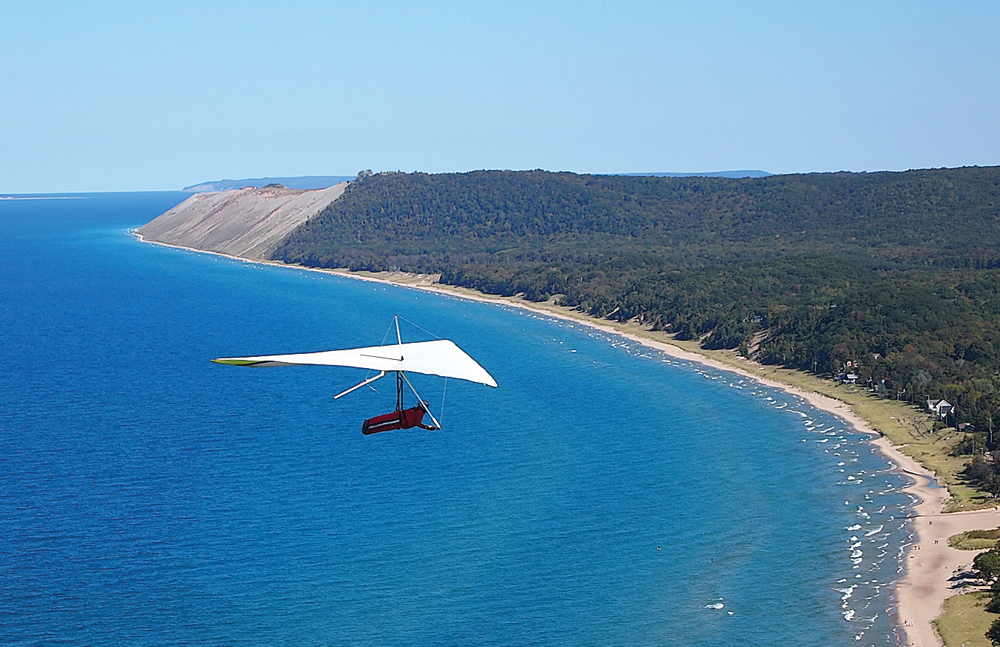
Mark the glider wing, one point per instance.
(440, 357)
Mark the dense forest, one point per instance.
(896, 273)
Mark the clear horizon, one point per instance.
(696, 174)
(105, 97)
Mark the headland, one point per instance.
(245, 223)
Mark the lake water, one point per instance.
(602, 495)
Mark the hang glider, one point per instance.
(439, 357)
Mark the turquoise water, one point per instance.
(602, 495)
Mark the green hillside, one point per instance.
(896, 272)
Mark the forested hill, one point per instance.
(899, 272)
(939, 217)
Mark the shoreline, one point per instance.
(928, 563)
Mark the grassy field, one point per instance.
(975, 540)
(965, 621)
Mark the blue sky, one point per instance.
(102, 96)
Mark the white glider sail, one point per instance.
(440, 357)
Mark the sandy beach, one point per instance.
(929, 563)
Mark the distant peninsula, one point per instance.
(325, 181)
(732, 174)
(300, 182)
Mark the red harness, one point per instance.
(400, 418)
(403, 419)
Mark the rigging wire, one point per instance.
(416, 326)
(386, 335)
(441, 408)
(444, 392)
(383, 397)
(370, 371)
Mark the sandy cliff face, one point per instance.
(249, 223)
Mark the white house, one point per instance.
(940, 407)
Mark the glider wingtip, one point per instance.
(230, 361)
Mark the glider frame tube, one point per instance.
(358, 386)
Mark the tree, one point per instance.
(993, 633)
(988, 564)
(978, 470)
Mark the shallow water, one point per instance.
(603, 495)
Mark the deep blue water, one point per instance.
(602, 495)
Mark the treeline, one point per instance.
(896, 273)
(987, 566)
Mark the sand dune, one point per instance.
(246, 223)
